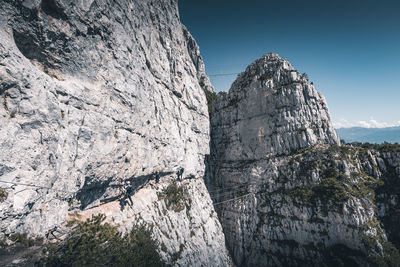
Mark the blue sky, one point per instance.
(349, 49)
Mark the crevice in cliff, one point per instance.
(52, 8)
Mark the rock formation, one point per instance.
(270, 109)
(290, 194)
(95, 93)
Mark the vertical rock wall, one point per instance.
(289, 194)
(270, 109)
(94, 93)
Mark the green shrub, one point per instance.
(266, 76)
(388, 256)
(24, 240)
(95, 243)
(331, 172)
(210, 96)
(174, 197)
(3, 194)
(330, 192)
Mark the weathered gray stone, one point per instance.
(94, 93)
(301, 197)
(270, 109)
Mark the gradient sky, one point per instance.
(349, 49)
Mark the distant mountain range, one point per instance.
(371, 135)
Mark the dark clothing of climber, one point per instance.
(130, 191)
(157, 177)
(180, 172)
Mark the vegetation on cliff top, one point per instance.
(327, 177)
(384, 147)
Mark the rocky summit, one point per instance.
(270, 110)
(98, 97)
(300, 198)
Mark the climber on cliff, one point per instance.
(157, 176)
(130, 191)
(180, 173)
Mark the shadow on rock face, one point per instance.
(37, 51)
(39, 36)
(92, 191)
(28, 45)
(54, 9)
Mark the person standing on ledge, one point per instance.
(130, 190)
(180, 173)
(157, 176)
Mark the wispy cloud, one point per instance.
(343, 123)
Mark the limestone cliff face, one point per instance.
(294, 195)
(270, 109)
(94, 93)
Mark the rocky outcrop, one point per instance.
(287, 193)
(183, 219)
(270, 109)
(94, 93)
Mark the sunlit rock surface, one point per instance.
(290, 194)
(94, 93)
